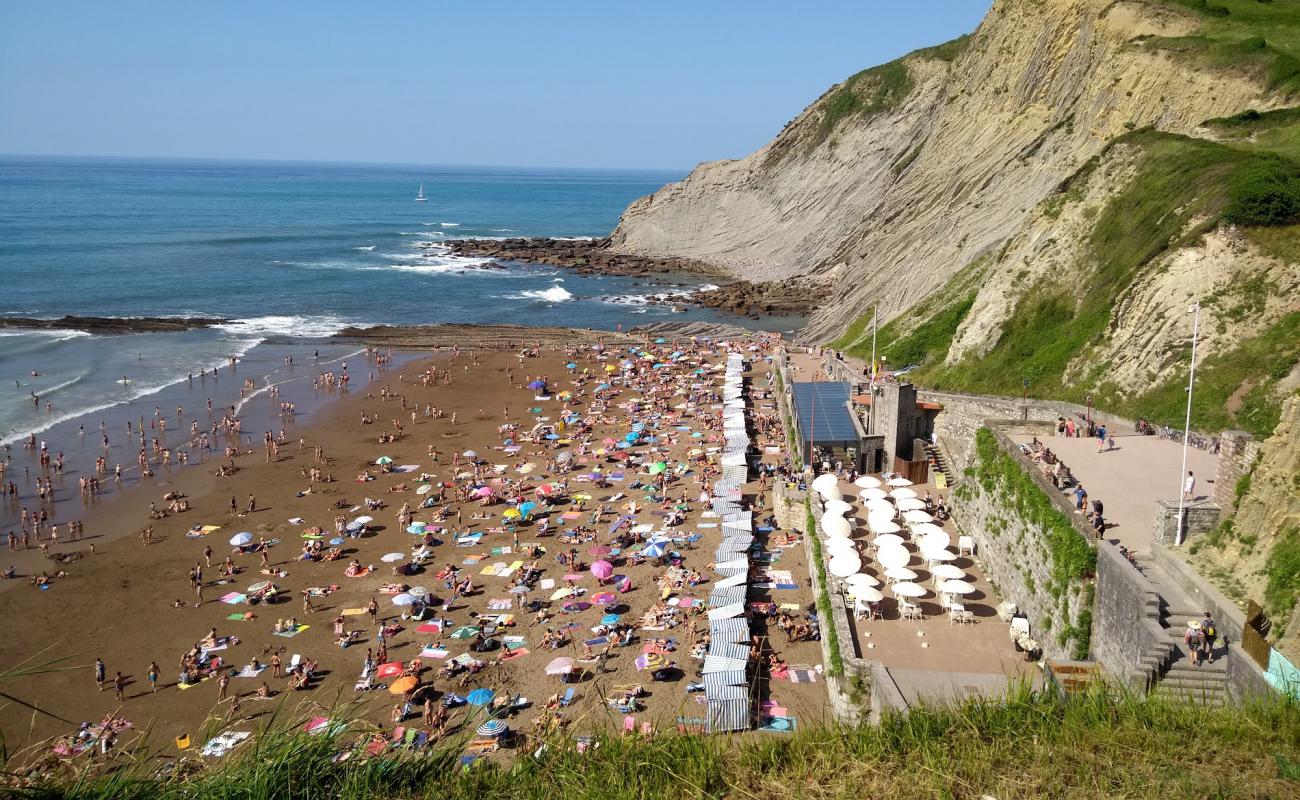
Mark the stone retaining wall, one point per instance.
(1126, 620)
(1016, 555)
(1238, 452)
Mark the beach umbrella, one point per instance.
(906, 589)
(403, 599)
(599, 550)
(493, 728)
(521, 589)
(957, 587)
(561, 593)
(938, 554)
(527, 507)
(928, 528)
(867, 482)
(650, 661)
(899, 481)
(389, 670)
(903, 494)
(839, 547)
(825, 482)
(937, 539)
(480, 697)
(887, 540)
(896, 556)
(868, 594)
(424, 488)
(658, 467)
(418, 592)
(576, 607)
(900, 574)
(364, 520)
(602, 569)
(837, 507)
(259, 586)
(403, 684)
(547, 489)
(560, 666)
(861, 579)
(883, 527)
(843, 566)
(948, 572)
(336, 541)
(604, 598)
(653, 549)
(483, 491)
(909, 504)
(832, 493)
(511, 513)
(537, 385)
(241, 539)
(836, 526)
(610, 619)
(383, 460)
(567, 455)
(917, 516)
(392, 558)
(873, 494)
(470, 454)
(880, 506)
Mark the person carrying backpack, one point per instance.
(1209, 633)
(1194, 638)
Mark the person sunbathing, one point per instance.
(353, 568)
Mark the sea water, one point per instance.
(286, 251)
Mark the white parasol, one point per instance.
(867, 482)
(900, 574)
(910, 504)
(893, 556)
(873, 494)
(844, 566)
(948, 572)
(956, 587)
(903, 494)
(917, 516)
(882, 526)
(867, 594)
(899, 481)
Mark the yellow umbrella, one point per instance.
(561, 593)
(582, 496)
(611, 368)
(511, 513)
(403, 685)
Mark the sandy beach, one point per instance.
(120, 603)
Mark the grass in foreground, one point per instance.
(1032, 746)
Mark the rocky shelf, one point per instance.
(113, 324)
(591, 256)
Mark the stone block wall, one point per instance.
(1126, 619)
(1238, 451)
(1017, 557)
(1200, 518)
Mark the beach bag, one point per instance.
(1209, 631)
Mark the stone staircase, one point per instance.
(938, 464)
(1180, 680)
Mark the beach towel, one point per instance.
(184, 686)
(775, 724)
(803, 676)
(353, 612)
(504, 550)
(514, 652)
(468, 540)
(430, 627)
(249, 672)
(707, 525)
(500, 604)
(596, 642)
(359, 573)
(294, 632)
(223, 744)
(465, 632)
(406, 468)
(547, 583)
(433, 651)
(472, 560)
(210, 528)
(233, 598)
(493, 569)
(237, 617)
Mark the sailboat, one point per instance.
(420, 198)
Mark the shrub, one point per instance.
(1264, 192)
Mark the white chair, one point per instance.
(911, 612)
(964, 616)
(965, 545)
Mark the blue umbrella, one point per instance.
(638, 426)
(492, 728)
(661, 340)
(552, 436)
(629, 438)
(609, 619)
(653, 550)
(336, 541)
(527, 507)
(571, 365)
(480, 697)
(537, 384)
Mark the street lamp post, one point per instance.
(1195, 311)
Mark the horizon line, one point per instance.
(250, 160)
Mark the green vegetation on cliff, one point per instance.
(1030, 745)
(1183, 187)
(1260, 37)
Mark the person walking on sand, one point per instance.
(119, 683)
(223, 683)
(275, 665)
(99, 673)
(1189, 486)
(372, 608)
(207, 555)
(153, 676)
(252, 504)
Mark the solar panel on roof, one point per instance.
(823, 411)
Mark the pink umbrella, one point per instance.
(600, 550)
(483, 491)
(604, 598)
(602, 569)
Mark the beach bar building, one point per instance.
(826, 422)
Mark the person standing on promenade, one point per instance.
(1189, 486)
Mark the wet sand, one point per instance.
(117, 604)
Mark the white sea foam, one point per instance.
(56, 387)
(449, 224)
(57, 334)
(366, 248)
(284, 325)
(555, 294)
(435, 266)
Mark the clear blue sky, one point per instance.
(657, 83)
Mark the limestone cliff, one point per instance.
(941, 157)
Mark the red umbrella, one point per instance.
(546, 489)
(389, 670)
